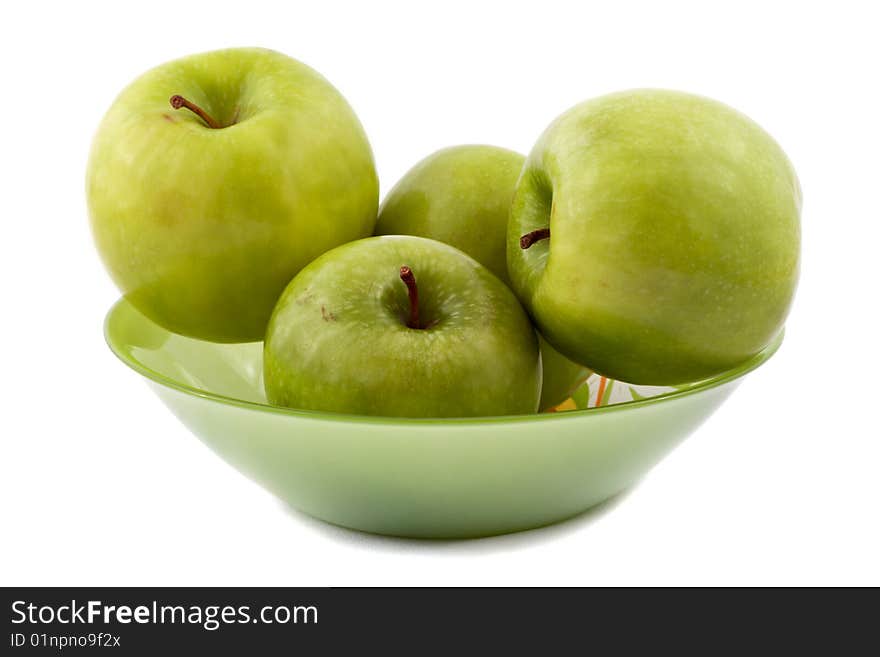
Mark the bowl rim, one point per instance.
(119, 349)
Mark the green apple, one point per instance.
(401, 326)
(215, 178)
(562, 376)
(655, 236)
(461, 196)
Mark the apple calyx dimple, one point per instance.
(178, 101)
(535, 236)
(407, 276)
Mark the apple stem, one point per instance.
(407, 276)
(535, 236)
(178, 101)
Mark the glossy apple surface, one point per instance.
(461, 196)
(202, 228)
(674, 236)
(340, 338)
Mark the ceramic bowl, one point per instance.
(438, 478)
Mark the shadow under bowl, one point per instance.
(413, 477)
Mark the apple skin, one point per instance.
(202, 228)
(561, 376)
(675, 236)
(461, 196)
(338, 339)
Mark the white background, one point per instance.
(100, 485)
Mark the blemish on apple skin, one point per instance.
(169, 118)
(327, 316)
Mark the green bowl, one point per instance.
(449, 478)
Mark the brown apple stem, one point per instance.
(409, 278)
(535, 236)
(178, 101)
